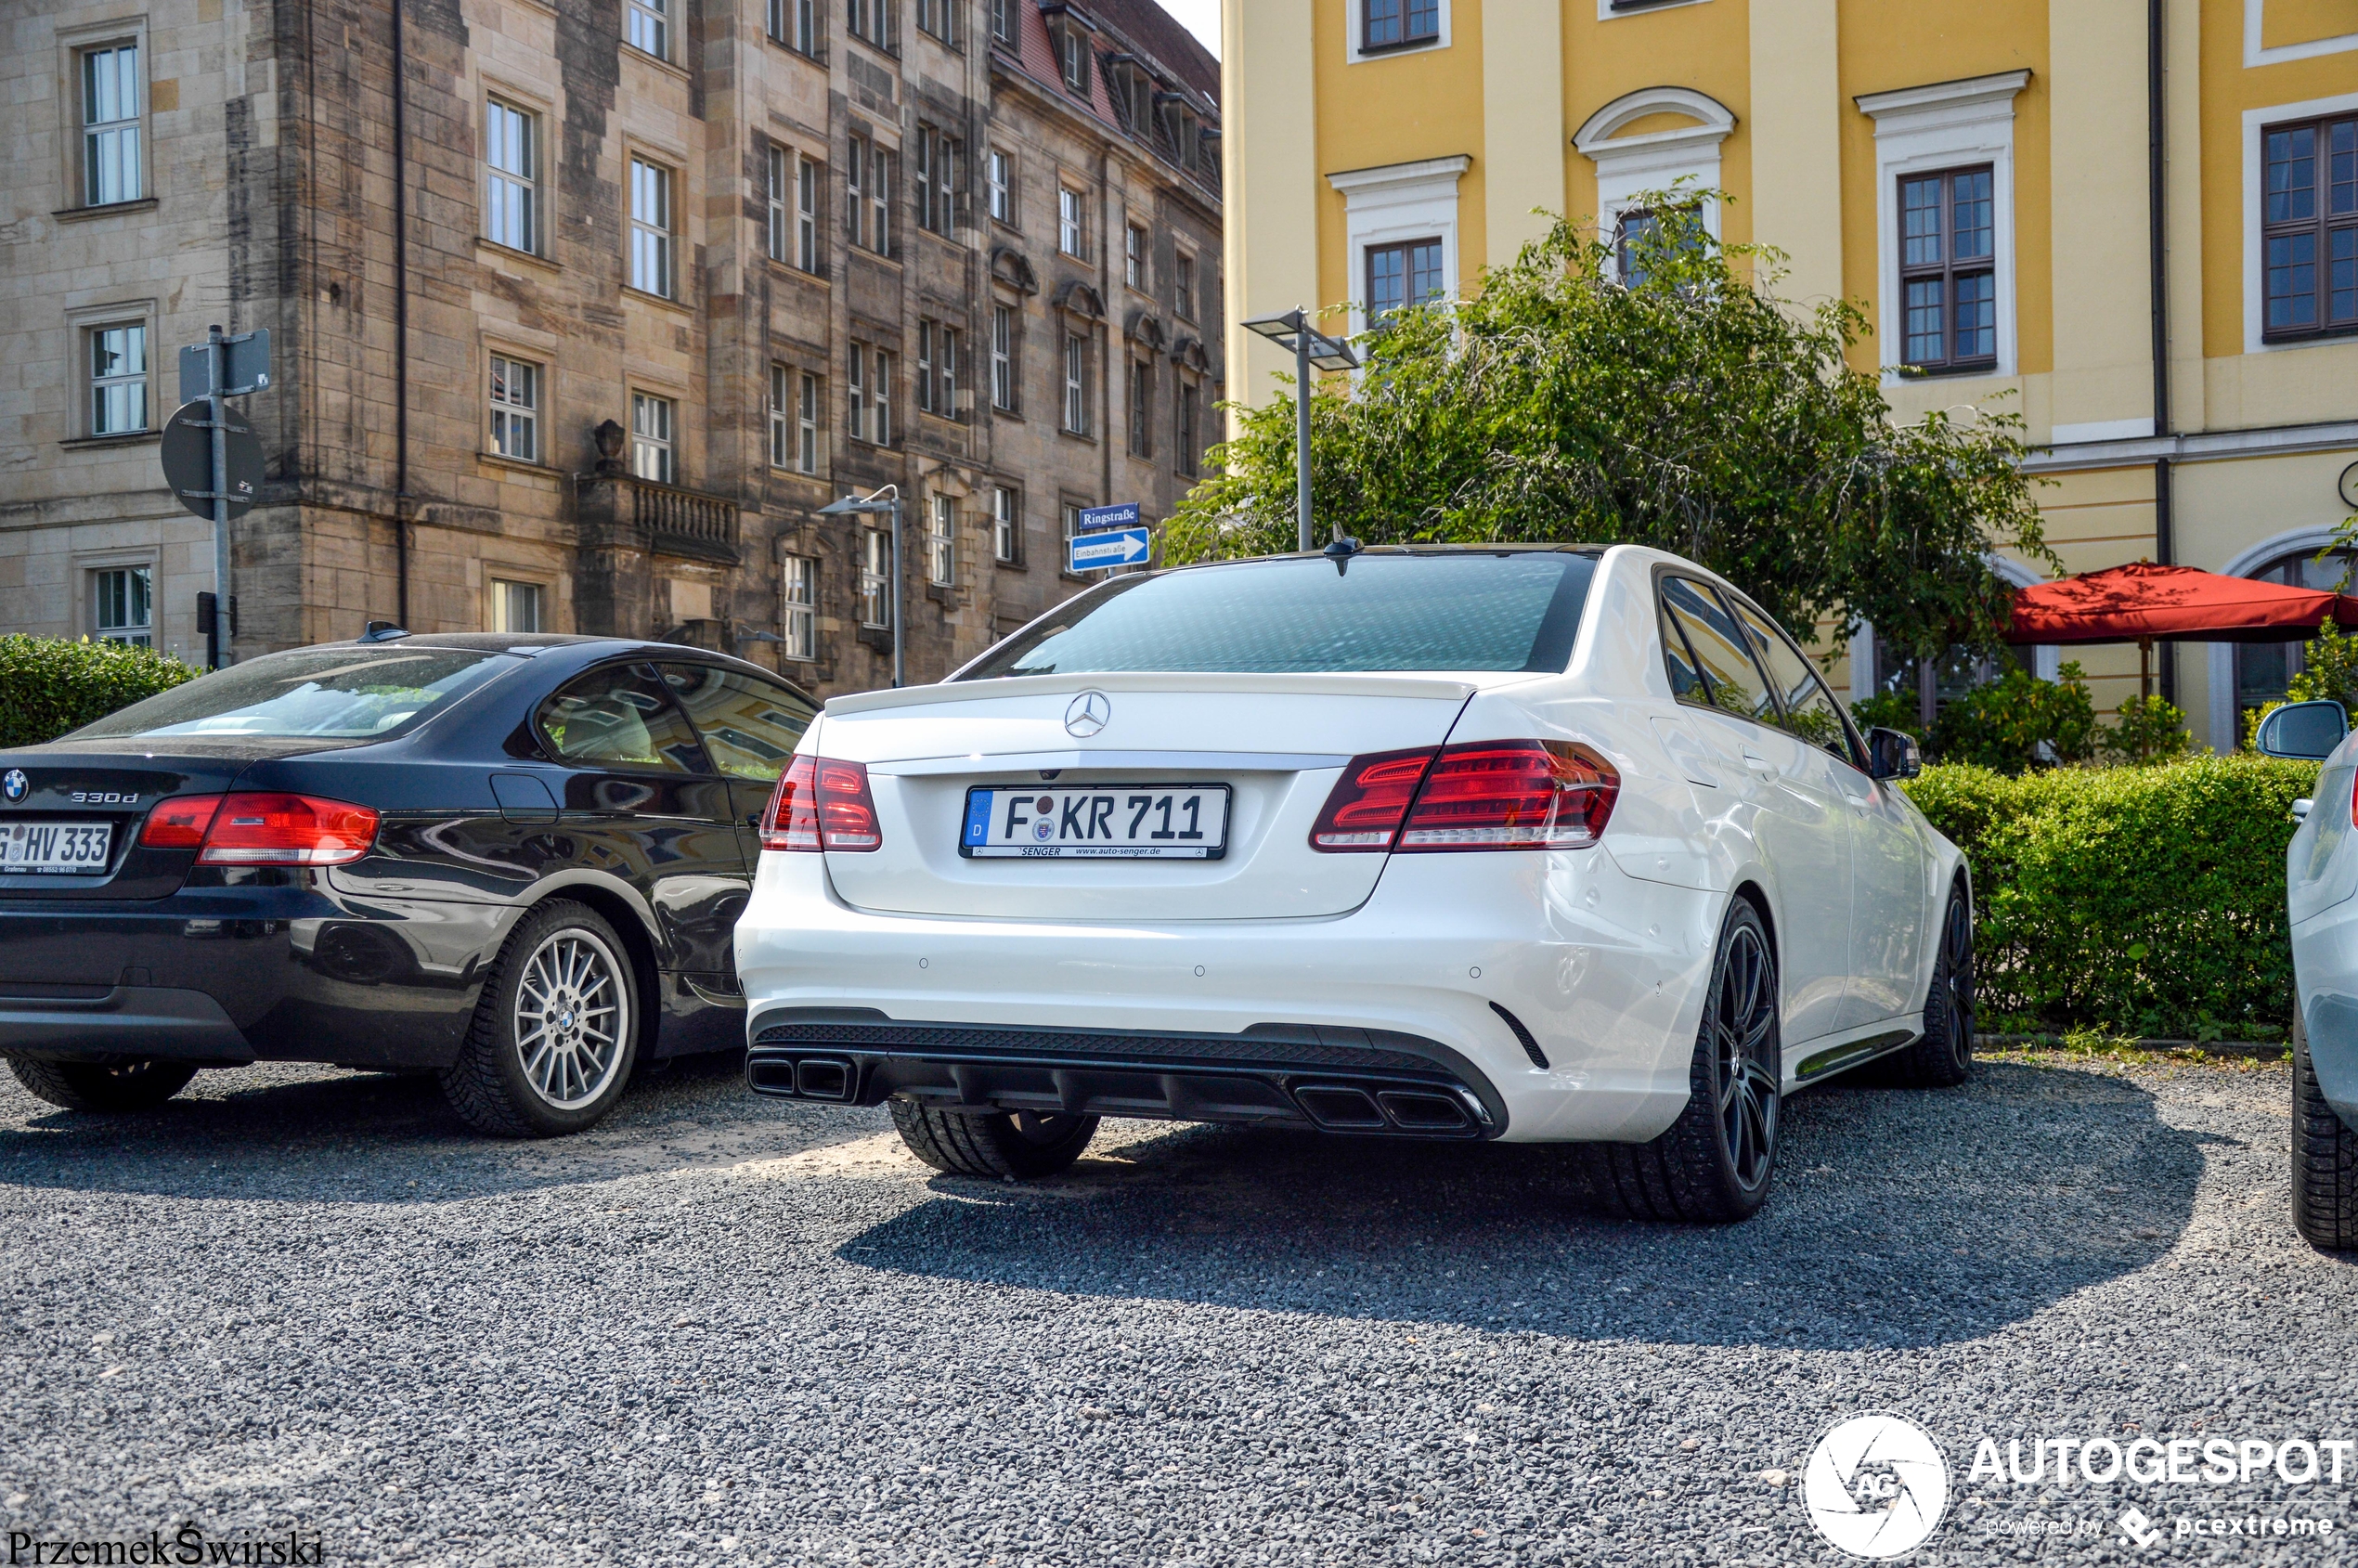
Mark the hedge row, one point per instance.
(2147, 902)
(48, 685)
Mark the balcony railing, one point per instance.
(683, 521)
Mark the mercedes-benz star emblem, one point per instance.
(1090, 712)
(15, 784)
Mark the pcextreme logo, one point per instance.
(1875, 1485)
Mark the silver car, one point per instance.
(2321, 874)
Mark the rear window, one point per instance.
(325, 693)
(1505, 610)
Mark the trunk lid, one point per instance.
(1278, 742)
(117, 782)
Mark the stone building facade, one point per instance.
(579, 329)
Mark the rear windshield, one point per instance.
(328, 693)
(1517, 610)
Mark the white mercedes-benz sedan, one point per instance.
(1546, 844)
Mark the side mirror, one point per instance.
(1893, 754)
(2308, 732)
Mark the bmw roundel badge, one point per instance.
(14, 785)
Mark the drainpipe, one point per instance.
(400, 327)
(2156, 174)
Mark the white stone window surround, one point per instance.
(2254, 192)
(1395, 202)
(2224, 737)
(1630, 166)
(1355, 20)
(2256, 56)
(1606, 12)
(1940, 126)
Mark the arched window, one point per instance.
(2264, 669)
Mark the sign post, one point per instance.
(211, 458)
(1108, 536)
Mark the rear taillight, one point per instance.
(1512, 794)
(821, 804)
(260, 829)
(1488, 795)
(1369, 803)
(179, 823)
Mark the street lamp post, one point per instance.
(868, 505)
(1310, 347)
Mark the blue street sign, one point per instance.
(1107, 537)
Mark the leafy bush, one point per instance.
(2150, 730)
(2143, 900)
(1890, 710)
(2003, 724)
(2329, 669)
(50, 685)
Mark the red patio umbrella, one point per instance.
(2141, 602)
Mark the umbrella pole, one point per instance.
(2144, 666)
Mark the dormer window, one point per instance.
(1072, 54)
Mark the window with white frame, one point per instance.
(118, 377)
(778, 178)
(871, 386)
(811, 400)
(651, 236)
(1001, 177)
(1003, 357)
(942, 540)
(880, 398)
(649, 27)
(515, 606)
(1072, 54)
(654, 444)
(1072, 222)
(1006, 524)
(1183, 288)
(1003, 22)
(1635, 166)
(938, 156)
(512, 176)
(795, 23)
(113, 100)
(1134, 256)
(940, 19)
(1142, 408)
(1944, 219)
(1070, 514)
(1076, 383)
(928, 330)
(806, 215)
(515, 408)
(874, 21)
(946, 372)
(1397, 204)
(2309, 235)
(1404, 272)
(123, 606)
(868, 194)
(798, 608)
(1398, 24)
(876, 577)
(781, 417)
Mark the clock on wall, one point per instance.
(2350, 486)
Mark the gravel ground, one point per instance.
(724, 1329)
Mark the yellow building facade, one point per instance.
(2136, 225)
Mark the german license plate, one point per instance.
(57, 848)
(1104, 821)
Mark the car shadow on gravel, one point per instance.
(1901, 1217)
(304, 1133)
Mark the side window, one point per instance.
(1733, 680)
(1810, 712)
(1686, 681)
(750, 727)
(619, 717)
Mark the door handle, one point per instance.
(1758, 763)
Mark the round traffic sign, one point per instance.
(188, 459)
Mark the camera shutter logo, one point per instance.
(1090, 712)
(1875, 1485)
(15, 785)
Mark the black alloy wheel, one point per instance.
(1942, 1054)
(103, 1086)
(1716, 1162)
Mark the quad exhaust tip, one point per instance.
(804, 1078)
(1346, 1107)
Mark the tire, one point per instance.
(2324, 1157)
(119, 1086)
(555, 1034)
(996, 1144)
(1942, 1055)
(1716, 1162)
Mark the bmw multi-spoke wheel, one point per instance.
(1716, 1161)
(1943, 1054)
(555, 1032)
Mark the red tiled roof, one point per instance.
(1156, 31)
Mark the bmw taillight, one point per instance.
(821, 804)
(1484, 795)
(179, 823)
(258, 828)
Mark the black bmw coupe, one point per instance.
(515, 860)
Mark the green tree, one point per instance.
(1693, 410)
(2002, 725)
